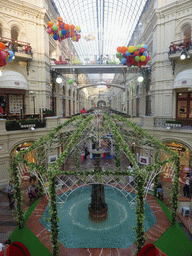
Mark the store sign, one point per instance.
(143, 160)
(52, 159)
(184, 82)
(16, 83)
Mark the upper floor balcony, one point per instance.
(22, 50)
(180, 49)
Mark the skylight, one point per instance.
(105, 25)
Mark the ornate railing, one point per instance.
(16, 46)
(172, 123)
(180, 45)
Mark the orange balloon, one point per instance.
(2, 46)
(72, 27)
(66, 26)
(49, 24)
(124, 49)
(60, 20)
(136, 53)
(72, 34)
(119, 49)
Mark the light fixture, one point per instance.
(183, 55)
(188, 56)
(1, 73)
(59, 80)
(140, 79)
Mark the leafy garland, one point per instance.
(54, 169)
(174, 158)
(18, 196)
(156, 180)
(140, 210)
(54, 216)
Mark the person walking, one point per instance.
(10, 193)
(186, 186)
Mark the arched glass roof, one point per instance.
(111, 22)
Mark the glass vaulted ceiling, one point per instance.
(111, 22)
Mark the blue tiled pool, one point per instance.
(76, 230)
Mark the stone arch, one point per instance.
(184, 143)
(180, 26)
(17, 143)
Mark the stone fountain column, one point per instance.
(97, 208)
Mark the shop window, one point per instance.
(186, 32)
(69, 92)
(184, 105)
(14, 33)
(1, 30)
(15, 104)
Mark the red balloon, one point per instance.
(142, 50)
(17, 249)
(132, 61)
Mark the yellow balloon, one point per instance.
(142, 45)
(131, 49)
(143, 58)
(77, 28)
(74, 38)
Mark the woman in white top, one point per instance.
(186, 187)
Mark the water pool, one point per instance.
(76, 230)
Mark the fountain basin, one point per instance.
(77, 230)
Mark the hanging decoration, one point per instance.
(134, 55)
(61, 30)
(89, 38)
(5, 55)
(70, 81)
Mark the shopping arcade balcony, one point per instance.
(22, 50)
(177, 47)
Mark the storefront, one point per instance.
(184, 154)
(13, 87)
(30, 157)
(183, 86)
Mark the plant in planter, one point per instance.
(48, 112)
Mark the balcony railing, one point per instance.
(17, 46)
(172, 123)
(180, 45)
(13, 125)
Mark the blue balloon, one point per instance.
(128, 54)
(145, 46)
(123, 61)
(63, 31)
(10, 59)
(11, 54)
(55, 36)
(145, 54)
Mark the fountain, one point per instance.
(98, 208)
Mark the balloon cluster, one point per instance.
(133, 56)
(89, 37)
(61, 30)
(5, 55)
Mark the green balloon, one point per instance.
(138, 46)
(118, 54)
(137, 58)
(54, 27)
(60, 34)
(149, 61)
(70, 81)
(121, 57)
